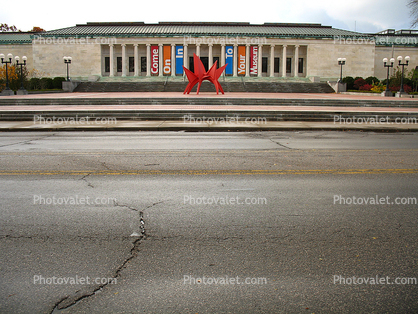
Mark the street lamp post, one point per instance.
(401, 91)
(341, 62)
(67, 61)
(341, 87)
(22, 90)
(387, 92)
(7, 91)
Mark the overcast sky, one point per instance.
(368, 16)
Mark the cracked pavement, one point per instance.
(144, 234)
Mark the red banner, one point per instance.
(154, 59)
(254, 60)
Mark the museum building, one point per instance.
(281, 50)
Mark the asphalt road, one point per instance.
(265, 222)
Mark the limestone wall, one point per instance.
(86, 58)
(323, 55)
(389, 52)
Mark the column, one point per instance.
(260, 61)
(123, 60)
(247, 60)
(173, 59)
(222, 55)
(112, 61)
(160, 60)
(148, 59)
(271, 60)
(185, 56)
(235, 60)
(136, 65)
(296, 67)
(198, 50)
(210, 56)
(284, 61)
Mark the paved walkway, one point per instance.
(206, 95)
(180, 125)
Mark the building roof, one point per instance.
(15, 38)
(199, 29)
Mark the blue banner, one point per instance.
(179, 59)
(229, 59)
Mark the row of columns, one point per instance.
(185, 59)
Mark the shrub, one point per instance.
(47, 83)
(378, 88)
(349, 81)
(34, 83)
(359, 82)
(371, 80)
(365, 87)
(396, 88)
(57, 82)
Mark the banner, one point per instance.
(241, 60)
(229, 59)
(154, 59)
(254, 60)
(179, 59)
(167, 60)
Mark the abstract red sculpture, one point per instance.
(200, 75)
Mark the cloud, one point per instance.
(368, 15)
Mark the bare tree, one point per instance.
(413, 7)
(6, 28)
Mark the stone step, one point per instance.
(174, 86)
(206, 101)
(196, 115)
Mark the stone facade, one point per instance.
(288, 57)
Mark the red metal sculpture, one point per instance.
(200, 75)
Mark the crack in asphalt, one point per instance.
(88, 183)
(69, 301)
(28, 141)
(281, 145)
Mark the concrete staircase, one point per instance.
(164, 108)
(228, 86)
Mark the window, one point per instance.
(131, 64)
(300, 67)
(216, 59)
(205, 61)
(143, 64)
(288, 65)
(264, 65)
(119, 64)
(107, 64)
(276, 65)
(191, 64)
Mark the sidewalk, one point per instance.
(179, 125)
(212, 95)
